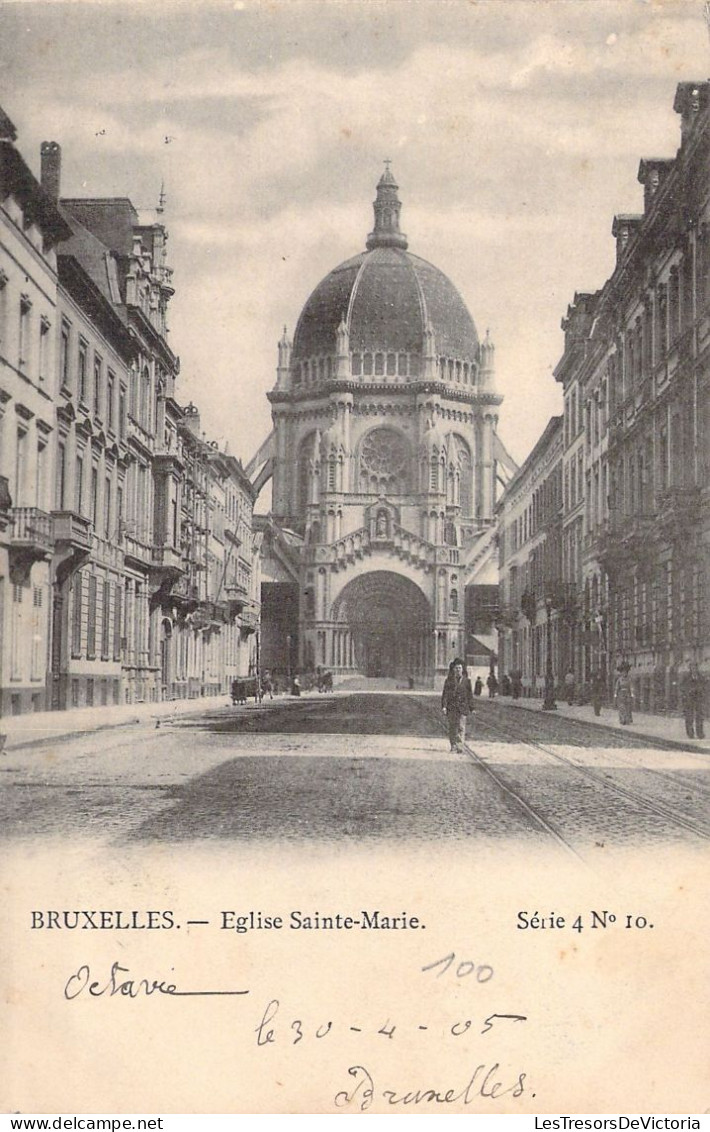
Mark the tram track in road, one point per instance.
(504, 732)
(514, 796)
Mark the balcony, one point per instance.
(31, 540)
(72, 530)
(166, 567)
(249, 620)
(167, 558)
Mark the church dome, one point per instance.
(394, 308)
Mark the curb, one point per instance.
(678, 744)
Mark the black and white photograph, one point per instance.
(354, 557)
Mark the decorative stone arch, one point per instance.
(386, 620)
(381, 519)
(307, 469)
(462, 463)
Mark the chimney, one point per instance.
(51, 175)
(191, 416)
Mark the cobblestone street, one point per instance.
(359, 767)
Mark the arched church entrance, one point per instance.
(388, 620)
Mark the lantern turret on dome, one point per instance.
(387, 206)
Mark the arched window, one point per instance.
(332, 473)
(356, 365)
(434, 474)
(379, 365)
(305, 472)
(454, 601)
(367, 365)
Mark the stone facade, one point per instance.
(532, 613)
(635, 509)
(129, 570)
(31, 227)
(384, 459)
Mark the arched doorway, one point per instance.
(388, 619)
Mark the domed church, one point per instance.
(383, 459)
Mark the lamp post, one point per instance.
(548, 703)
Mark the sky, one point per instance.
(515, 130)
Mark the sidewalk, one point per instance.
(44, 726)
(670, 728)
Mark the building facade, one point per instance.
(384, 458)
(129, 569)
(533, 608)
(636, 481)
(31, 228)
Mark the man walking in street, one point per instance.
(457, 703)
(692, 691)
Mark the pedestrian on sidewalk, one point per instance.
(692, 693)
(569, 687)
(478, 687)
(457, 703)
(598, 690)
(492, 684)
(623, 694)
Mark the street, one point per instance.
(355, 768)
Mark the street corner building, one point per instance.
(128, 564)
(604, 534)
(384, 457)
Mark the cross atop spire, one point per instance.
(387, 205)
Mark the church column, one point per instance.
(487, 468)
(280, 500)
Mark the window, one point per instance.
(41, 483)
(379, 365)
(3, 304)
(44, 328)
(76, 613)
(122, 413)
(94, 495)
(117, 622)
(391, 365)
(145, 399)
(91, 619)
(81, 373)
(24, 339)
(662, 323)
(367, 365)
(110, 388)
(356, 365)
(107, 507)
(61, 479)
(79, 486)
(105, 620)
(64, 355)
(98, 368)
(20, 467)
(402, 365)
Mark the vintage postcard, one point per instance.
(354, 558)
